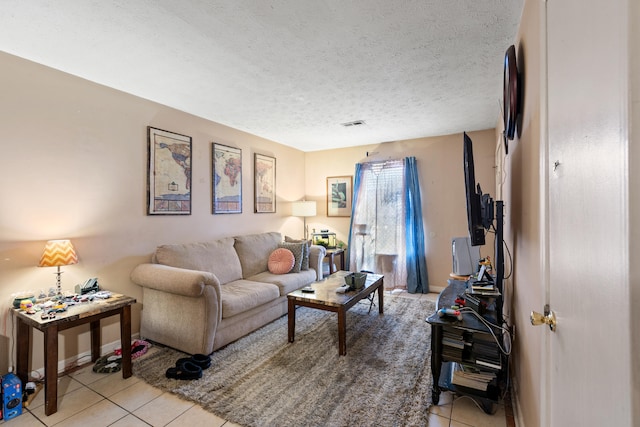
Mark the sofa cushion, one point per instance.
(253, 251)
(298, 252)
(305, 253)
(217, 257)
(281, 261)
(287, 282)
(242, 295)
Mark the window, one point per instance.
(378, 233)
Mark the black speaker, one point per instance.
(11, 396)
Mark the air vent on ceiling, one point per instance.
(353, 123)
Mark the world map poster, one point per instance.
(265, 184)
(169, 177)
(227, 179)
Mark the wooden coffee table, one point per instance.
(326, 298)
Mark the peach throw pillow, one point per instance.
(281, 261)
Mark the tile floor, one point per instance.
(89, 399)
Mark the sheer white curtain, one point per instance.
(378, 232)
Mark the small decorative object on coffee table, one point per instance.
(355, 280)
(326, 298)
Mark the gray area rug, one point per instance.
(262, 380)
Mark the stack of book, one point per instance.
(468, 376)
(485, 289)
(485, 352)
(453, 344)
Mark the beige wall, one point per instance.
(74, 166)
(441, 182)
(524, 199)
(522, 195)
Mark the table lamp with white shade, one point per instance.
(304, 208)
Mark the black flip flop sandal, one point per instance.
(185, 371)
(201, 360)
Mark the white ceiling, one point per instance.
(287, 70)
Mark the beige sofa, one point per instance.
(199, 297)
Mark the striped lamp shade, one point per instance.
(57, 253)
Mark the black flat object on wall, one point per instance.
(510, 94)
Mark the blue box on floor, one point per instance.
(11, 396)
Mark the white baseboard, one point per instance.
(79, 359)
(436, 289)
(515, 402)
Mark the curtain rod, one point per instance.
(373, 162)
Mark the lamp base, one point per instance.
(58, 281)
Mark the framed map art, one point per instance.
(169, 173)
(264, 184)
(226, 179)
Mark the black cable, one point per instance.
(504, 243)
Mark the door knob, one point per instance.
(548, 318)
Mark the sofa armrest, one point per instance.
(316, 255)
(181, 308)
(179, 281)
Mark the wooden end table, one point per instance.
(326, 298)
(75, 315)
(331, 254)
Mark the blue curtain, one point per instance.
(356, 191)
(417, 278)
(411, 269)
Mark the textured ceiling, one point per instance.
(291, 70)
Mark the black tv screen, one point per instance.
(474, 196)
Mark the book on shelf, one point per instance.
(454, 339)
(485, 352)
(453, 343)
(489, 364)
(466, 376)
(482, 288)
(484, 292)
(482, 285)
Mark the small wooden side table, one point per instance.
(331, 254)
(75, 315)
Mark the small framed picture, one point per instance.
(339, 195)
(264, 169)
(169, 173)
(226, 181)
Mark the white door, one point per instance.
(588, 364)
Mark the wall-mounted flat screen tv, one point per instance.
(474, 196)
